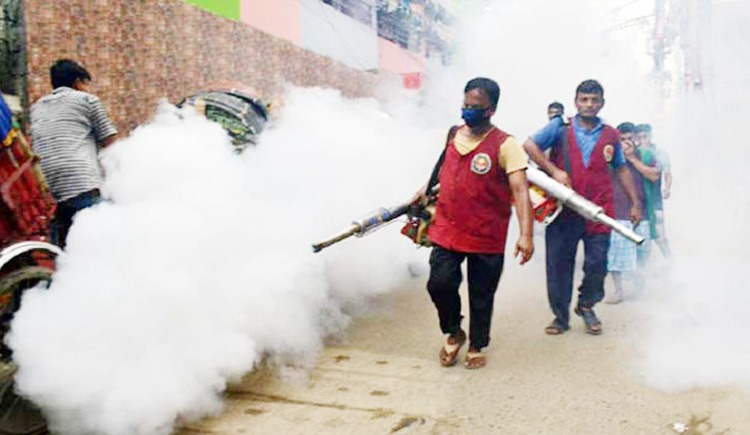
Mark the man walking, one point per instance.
(582, 154)
(68, 128)
(483, 170)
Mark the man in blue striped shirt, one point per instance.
(68, 128)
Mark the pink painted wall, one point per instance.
(280, 18)
(393, 58)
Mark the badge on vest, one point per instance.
(609, 152)
(481, 164)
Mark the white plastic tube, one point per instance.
(578, 203)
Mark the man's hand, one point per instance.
(525, 247)
(635, 215)
(628, 149)
(562, 177)
(420, 197)
(665, 194)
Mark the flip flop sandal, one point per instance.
(449, 351)
(592, 323)
(556, 328)
(475, 360)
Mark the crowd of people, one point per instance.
(482, 173)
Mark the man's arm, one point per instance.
(109, 140)
(667, 183)
(626, 180)
(105, 131)
(519, 187)
(665, 166)
(537, 156)
(651, 173)
(542, 140)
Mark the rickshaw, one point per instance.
(27, 258)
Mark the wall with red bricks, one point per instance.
(139, 51)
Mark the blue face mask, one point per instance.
(474, 117)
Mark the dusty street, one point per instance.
(384, 377)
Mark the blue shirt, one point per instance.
(550, 134)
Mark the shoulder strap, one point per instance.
(436, 170)
(564, 144)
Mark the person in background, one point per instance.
(555, 109)
(625, 258)
(68, 129)
(658, 162)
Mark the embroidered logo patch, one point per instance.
(481, 164)
(609, 152)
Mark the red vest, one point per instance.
(473, 208)
(594, 182)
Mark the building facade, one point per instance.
(396, 36)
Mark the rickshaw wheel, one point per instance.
(12, 287)
(17, 415)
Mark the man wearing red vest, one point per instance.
(483, 170)
(582, 154)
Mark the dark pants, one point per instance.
(66, 210)
(562, 240)
(445, 277)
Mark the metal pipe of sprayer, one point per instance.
(578, 203)
(352, 230)
(365, 225)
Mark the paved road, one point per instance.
(383, 377)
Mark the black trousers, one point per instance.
(484, 272)
(63, 219)
(562, 238)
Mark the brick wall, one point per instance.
(139, 51)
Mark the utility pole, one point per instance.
(658, 37)
(695, 36)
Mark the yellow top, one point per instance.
(512, 157)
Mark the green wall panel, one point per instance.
(225, 8)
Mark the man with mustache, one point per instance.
(582, 155)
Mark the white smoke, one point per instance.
(200, 265)
(539, 51)
(699, 329)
